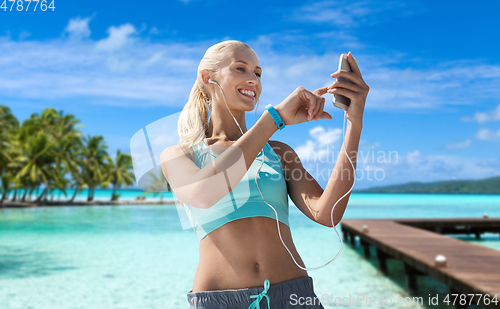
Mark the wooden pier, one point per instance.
(470, 268)
(467, 226)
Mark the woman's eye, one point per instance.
(258, 74)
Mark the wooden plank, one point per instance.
(470, 268)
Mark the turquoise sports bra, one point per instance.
(244, 200)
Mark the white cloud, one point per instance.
(118, 37)
(79, 27)
(460, 145)
(418, 166)
(163, 74)
(493, 164)
(492, 115)
(322, 145)
(325, 137)
(487, 135)
(377, 166)
(415, 157)
(353, 13)
(24, 34)
(57, 70)
(307, 151)
(393, 86)
(153, 59)
(154, 30)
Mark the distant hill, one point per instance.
(484, 186)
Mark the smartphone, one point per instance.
(339, 100)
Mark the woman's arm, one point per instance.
(305, 192)
(204, 187)
(340, 181)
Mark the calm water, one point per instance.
(139, 256)
(99, 194)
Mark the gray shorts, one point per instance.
(296, 293)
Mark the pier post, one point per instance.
(366, 248)
(353, 240)
(382, 261)
(411, 276)
(345, 235)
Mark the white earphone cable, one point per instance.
(277, 221)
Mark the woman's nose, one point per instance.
(253, 78)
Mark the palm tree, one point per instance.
(39, 128)
(72, 151)
(119, 172)
(37, 160)
(76, 166)
(46, 149)
(157, 183)
(9, 127)
(60, 183)
(7, 180)
(96, 157)
(69, 142)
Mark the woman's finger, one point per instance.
(321, 91)
(350, 76)
(311, 99)
(326, 115)
(346, 93)
(320, 110)
(344, 84)
(354, 65)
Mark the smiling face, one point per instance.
(239, 77)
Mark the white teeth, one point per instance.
(250, 93)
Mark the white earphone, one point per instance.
(277, 221)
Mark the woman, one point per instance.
(212, 172)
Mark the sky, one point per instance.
(433, 68)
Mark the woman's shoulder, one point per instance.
(280, 147)
(281, 150)
(176, 151)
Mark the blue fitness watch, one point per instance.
(276, 117)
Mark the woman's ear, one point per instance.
(205, 76)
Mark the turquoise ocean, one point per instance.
(138, 256)
(99, 195)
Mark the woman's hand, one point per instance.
(302, 105)
(356, 90)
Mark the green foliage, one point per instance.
(48, 151)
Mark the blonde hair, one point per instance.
(192, 123)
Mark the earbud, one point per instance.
(211, 81)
